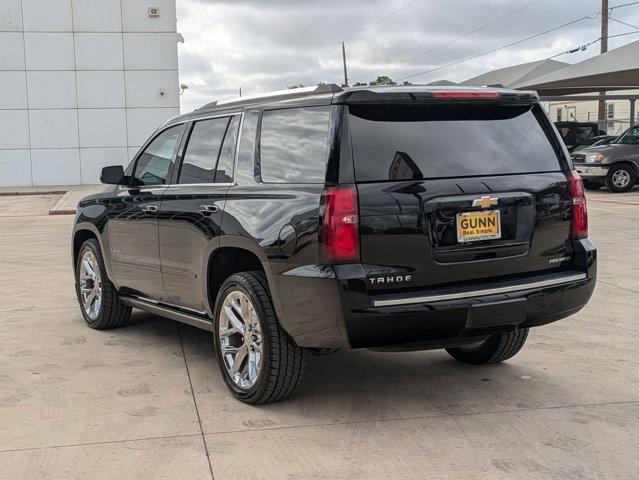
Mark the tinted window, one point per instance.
(203, 150)
(155, 164)
(583, 133)
(225, 164)
(630, 137)
(294, 145)
(403, 143)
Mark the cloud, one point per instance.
(262, 45)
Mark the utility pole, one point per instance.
(240, 91)
(601, 114)
(344, 60)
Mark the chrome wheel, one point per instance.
(621, 178)
(240, 338)
(90, 285)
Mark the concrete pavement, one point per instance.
(147, 401)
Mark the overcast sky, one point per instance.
(263, 45)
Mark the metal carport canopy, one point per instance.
(617, 69)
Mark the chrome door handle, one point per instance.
(208, 209)
(149, 208)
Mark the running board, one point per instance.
(162, 311)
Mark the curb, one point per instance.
(42, 192)
(61, 212)
(57, 208)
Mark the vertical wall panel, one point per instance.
(80, 83)
(97, 16)
(11, 51)
(47, 15)
(15, 167)
(10, 16)
(13, 85)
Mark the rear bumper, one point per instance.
(348, 317)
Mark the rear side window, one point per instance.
(224, 172)
(202, 151)
(294, 145)
(406, 143)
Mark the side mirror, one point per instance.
(113, 175)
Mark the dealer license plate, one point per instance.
(475, 226)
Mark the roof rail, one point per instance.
(289, 92)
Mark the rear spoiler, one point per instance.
(448, 96)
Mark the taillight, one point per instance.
(467, 94)
(579, 225)
(339, 228)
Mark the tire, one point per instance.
(593, 184)
(111, 312)
(494, 349)
(278, 364)
(621, 178)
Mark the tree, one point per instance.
(360, 84)
(383, 80)
(297, 85)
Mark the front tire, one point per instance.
(494, 349)
(621, 178)
(98, 298)
(259, 362)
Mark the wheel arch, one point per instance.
(232, 255)
(83, 232)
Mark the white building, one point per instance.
(82, 84)
(617, 112)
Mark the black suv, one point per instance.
(393, 218)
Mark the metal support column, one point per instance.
(632, 112)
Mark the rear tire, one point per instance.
(593, 184)
(243, 307)
(494, 349)
(621, 178)
(104, 310)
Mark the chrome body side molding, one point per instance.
(412, 299)
(156, 308)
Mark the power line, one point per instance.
(623, 34)
(623, 5)
(589, 17)
(469, 33)
(530, 37)
(359, 32)
(379, 21)
(623, 23)
(576, 49)
(445, 44)
(586, 45)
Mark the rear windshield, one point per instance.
(407, 143)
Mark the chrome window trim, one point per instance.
(415, 299)
(237, 149)
(163, 128)
(235, 155)
(175, 185)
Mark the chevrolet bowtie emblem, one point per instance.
(485, 201)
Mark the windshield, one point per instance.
(629, 137)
